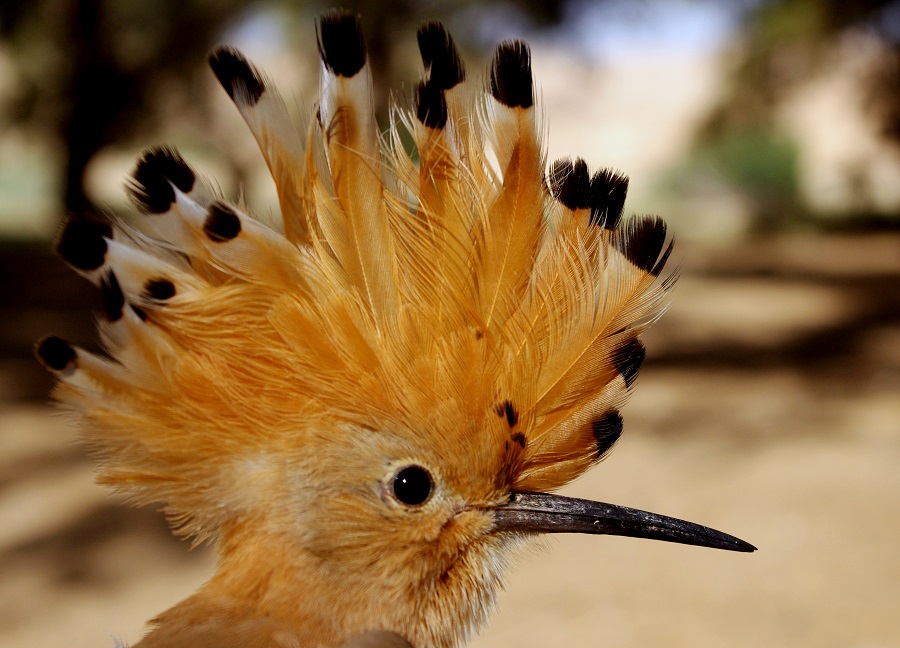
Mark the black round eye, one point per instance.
(412, 485)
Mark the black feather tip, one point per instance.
(112, 298)
(341, 43)
(642, 242)
(82, 243)
(606, 430)
(55, 353)
(151, 182)
(241, 80)
(511, 82)
(628, 360)
(222, 223)
(431, 105)
(444, 68)
(570, 183)
(159, 289)
(608, 191)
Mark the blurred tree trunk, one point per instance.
(98, 91)
(105, 59)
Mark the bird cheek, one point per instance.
(462, 530)
(474, 523)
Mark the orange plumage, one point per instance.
(357, 408)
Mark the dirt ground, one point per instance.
(769, 407)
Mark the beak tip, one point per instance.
(732, 543)
(745, 547)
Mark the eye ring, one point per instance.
(412, 485)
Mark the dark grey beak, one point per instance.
(545, 513)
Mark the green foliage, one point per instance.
(759, 162)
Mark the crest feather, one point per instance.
(477, 300)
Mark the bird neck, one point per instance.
(270, 575)
(260, 595)
(267, 590)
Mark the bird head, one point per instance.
(369, 405)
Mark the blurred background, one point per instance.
(768, 135)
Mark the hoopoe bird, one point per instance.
(367, 409)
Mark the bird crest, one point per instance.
(365, 393)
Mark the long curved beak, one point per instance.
(545, 513)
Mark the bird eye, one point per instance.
(413, 485)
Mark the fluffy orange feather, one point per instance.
(355, 408)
